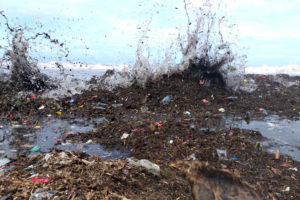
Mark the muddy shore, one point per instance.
(184, 135)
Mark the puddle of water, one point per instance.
(18, 140)
(281, 134)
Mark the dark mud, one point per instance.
(184, 137)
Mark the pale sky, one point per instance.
(107, 32)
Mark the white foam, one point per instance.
(292, 70)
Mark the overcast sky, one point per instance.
(106, 32)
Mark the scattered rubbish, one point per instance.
(166, 100)
(4, 161)
(34, 149)
(136, 130)
(159, 124)
(192, 126)
(276, 171)
(117, 105)
(192, 157)
(204, 101)
(144, 108)
(287, 189)
(151, 167)
(38, 180)
(221, 110)
(124, 136)
(28, 168)
(72, 100)
(6, 197)
(41, 107)
(187, 113)
(98, 108)
(89, 141)
(263, 111)
(40, 194)
(37, 127)
(232, 97)
(294, 169)
(277, 154)
(222, 154)
(59, 112)
(285, 165)
(16, 126)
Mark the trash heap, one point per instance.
(173, 131)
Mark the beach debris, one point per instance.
(98, 108)
(192, 157)
(285, 165)
(41, 107)
(205, 101)
(277, 154)
(42, 180)
(151, 167)
(40, 194)
(89, 141)
(294, 169)
(232, 97)
(4, 161)
(221, 110)
(287, 189)
(166, 100)
(117, 105)
(187, 113)
(124, 136)
(144, 108)
(35, 149)
(222, 154)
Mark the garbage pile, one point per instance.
(178, 147)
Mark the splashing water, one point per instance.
(206, 38)
(208, 42)
(25, 75)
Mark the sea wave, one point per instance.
(292, 69)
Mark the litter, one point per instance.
(40, 194)
(277, 154)
(151, 167)
(4, 161)
(89, 141)
(98, 108)
(222, 154)
(221, 110)
(41, 107)
(124, 136)
(166, 100)
(34, 149)
(37, 180)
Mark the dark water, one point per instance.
(19, 139)
(282, 134)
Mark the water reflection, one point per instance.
(49, 133)
(282, 134)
